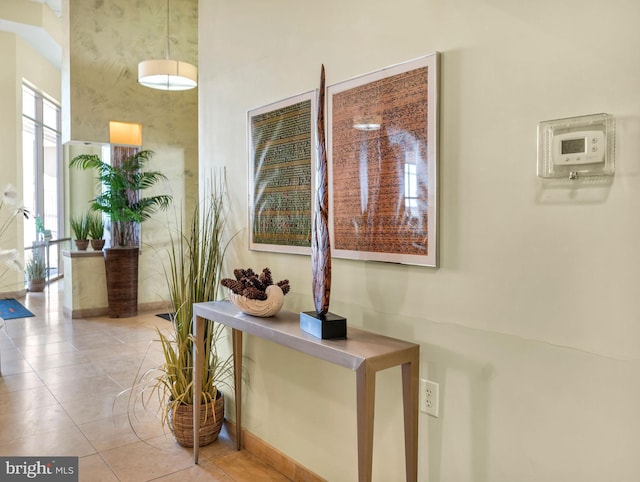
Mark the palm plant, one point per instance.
(121, 184)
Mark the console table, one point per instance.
(361, 351)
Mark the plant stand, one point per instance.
(121, 266)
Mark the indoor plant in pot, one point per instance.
(193, 275)
(96, 231)
(122, 202)
(80, 229)
(35, 271)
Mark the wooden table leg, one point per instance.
(366, 391)
(198, 355)
(410, 389)
(237, 382)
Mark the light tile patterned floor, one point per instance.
(59, 396)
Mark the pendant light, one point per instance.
(167, 74)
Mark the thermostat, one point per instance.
(576, 146)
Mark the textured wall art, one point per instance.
(383, 164)
(281, 157)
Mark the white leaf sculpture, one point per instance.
(263, 308)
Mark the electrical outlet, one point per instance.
(429, 397)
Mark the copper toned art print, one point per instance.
(383, 164)
(281, 157)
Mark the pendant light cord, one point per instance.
(168, 46)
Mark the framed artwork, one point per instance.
(281, 168)
(383, 164)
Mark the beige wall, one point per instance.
(530, 325)
(11, 174)
(106, 42)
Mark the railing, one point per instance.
(52, 272)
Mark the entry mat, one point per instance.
(11, 308)
(166, 316)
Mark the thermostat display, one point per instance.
(574, 148)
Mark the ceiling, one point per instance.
(36, 36)
(54, 5)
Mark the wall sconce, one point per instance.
(125, 133)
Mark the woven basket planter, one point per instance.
(121, 266)
(181, 422)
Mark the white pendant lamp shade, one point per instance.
(167, 74)
(164, 74)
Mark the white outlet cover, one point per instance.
(429, 397)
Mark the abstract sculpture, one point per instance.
(322, 324)
(320, 244)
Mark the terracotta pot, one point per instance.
(82, 244)
(36, 285)
(97, 244)
(181, 422)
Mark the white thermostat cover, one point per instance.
(576, 146)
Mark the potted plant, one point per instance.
(80, 229)
(35, 271)
(122, 202)
(95, 225)
(193, 275)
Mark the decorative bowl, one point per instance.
(262, 308)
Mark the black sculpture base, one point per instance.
(329, 326)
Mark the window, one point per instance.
(42, 169)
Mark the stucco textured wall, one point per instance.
(107, 40)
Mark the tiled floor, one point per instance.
(59, 395)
